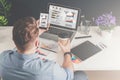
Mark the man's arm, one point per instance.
(67, 63)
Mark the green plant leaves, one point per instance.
(107, 28)
(4, 11)
(5, 7)
(3, 21)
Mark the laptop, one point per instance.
(62, 19)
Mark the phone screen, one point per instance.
(43, 20)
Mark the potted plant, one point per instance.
(5, 7)
(106, 23)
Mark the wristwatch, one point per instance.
(68, 53)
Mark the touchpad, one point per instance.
(49, 36)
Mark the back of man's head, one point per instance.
(25, 32)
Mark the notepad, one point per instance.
(85, 50)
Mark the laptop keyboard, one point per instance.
(56, 31)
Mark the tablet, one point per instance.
(85, 50)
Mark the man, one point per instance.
(25, 64)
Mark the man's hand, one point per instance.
(42, 30)
(65, 48)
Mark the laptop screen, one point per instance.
(64, 17)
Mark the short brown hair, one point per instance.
(25, 31)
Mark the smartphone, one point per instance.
(43, 21)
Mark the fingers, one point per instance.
(60, 44)
(68, 42)
(48, 26)
(66, 47)
(41, 31)
(38, 22)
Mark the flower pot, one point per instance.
(106, 35)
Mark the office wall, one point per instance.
(90, 8)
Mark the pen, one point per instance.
(83, 37)
(104, 45)
(49, 50)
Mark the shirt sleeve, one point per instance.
(0, 63)
(4, 53)
(0, 73)
(60, 73)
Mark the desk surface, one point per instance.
(107, 59)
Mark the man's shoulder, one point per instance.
(3, 55)
(6, 52)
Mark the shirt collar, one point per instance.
(25, 56)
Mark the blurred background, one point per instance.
(89, 8)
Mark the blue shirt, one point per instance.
(17, 66)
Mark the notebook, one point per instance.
(85, 50)
(62, 19)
